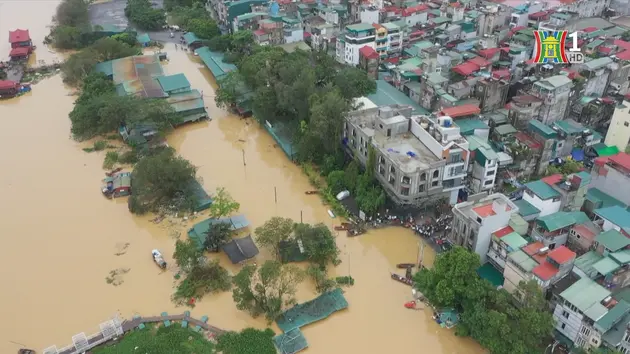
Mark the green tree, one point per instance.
(230, 87)
(126, 38)
(319, 244)
(626, 36)
(203, 28)
(222, 204)
(202, 279)
(370, 198)
(170, 5)
(320, 277)
(220, 43)
(571, 166)
(65, 37)
(181, 15)
(72, 13)
(266, 290)
(163, 182)
(274, 231)
(336, 181)
(353, 83)
(110, 49)
(217, 235)
(248, 341)
(187, 254)
(143, 15)
(352, 173)
(79, 65)
(94, 85)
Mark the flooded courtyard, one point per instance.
(61, 239)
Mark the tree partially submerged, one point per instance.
(319, 244)
(217, 235)
(274, 231)
(266, 290)
(498, 321)
(144, 15)
(248, 341)
(162, 182)
(223, 204)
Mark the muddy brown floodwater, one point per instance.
(61, 239)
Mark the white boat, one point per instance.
(158, 259)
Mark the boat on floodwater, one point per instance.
(158, 259)
(402, 279)
(405, 265)
(26, 351)
(117, 185)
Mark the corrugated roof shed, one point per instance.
(191, 38)
(554, 81)
(525, 208)
(186, 101)
(173, 82)
(542, 129)
(601, 199)
(505, 129)
(514, 241)
(613, 240)
(597, 63)
(387, 94)
(143, 38)
(615, 214)
(523, 260)
(542, 190)
(586, 261)
(613, 316)
(587, 295)
(606, 266)
(562, 219)
(622, 257)
(214, 62)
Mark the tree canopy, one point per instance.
(72, 13)
(223, 204)
(319, 244)
(266, 290)
(248, 341)
(203, 28)
(272, 232)
(144, 15)
(493, 317)
(217, 235)
(163, 181)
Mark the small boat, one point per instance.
(158, 259)
(411, 305)
(311, 192)
(354, 233)
(113, 172)
(26, 351)
(405, 265)
(402, 279)
(341, 228)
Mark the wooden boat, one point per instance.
(354, 233)
(401, 279)
(311, 192)
(26, 351)
(158, 259)
(405, 265)
(341, 228)
(113, 172)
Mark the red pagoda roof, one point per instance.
(19, 36)
(19, 51)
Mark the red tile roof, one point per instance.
(537, 15)
(526, 99)
(504, 231)
(466, 68)
(590, 29)
(488, 53)
(622, 44)
(259, 32)
(501, 74)
(19, 51)
(571, 74)
(562, 255)
(481, 62)
(622, 159)
(604, 50)
(460, 111)
(412, 10)
(7, 84)
(584, 232)
(368, 52)
(545, 271)
(623, 55)
(553, 179)
(532, 251)
(19, 36)
(527, 140)
(484, 210)
(394, 9)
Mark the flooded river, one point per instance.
(61, 239)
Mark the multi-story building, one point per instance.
(556, 193)
(368, 61)
(408, 170)
(354, 38)
(597, 73)
(381, 41)
(502, 243)
(523, 109)
(394, 39)
(609, 173)
(492, 92)
(475, 222)
(539, 263)
(547, 138)
(554, 92)
(483, 166)
(553, 230)
(619, 131)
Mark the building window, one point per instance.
(490, 173)
(404, 190)
(565, 314)
(436, 174)
(392, 170)
(423, 176)
(405, 180)
(434, 183)
(381, 170)
(392, 180)
(585, 331)
(381, 160)
(563, 325)
(488, 182)
(421, 188)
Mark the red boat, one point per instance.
(402, 279)
(411, 305)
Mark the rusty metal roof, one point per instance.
(138, 75)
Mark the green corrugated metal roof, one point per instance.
(441, 20)
(615, 31)
(143, 38)
(601, 199)
(387, 94)
(587, 295)
(607, 151)
(514, 241)
(622, 257)
(585, 178)
(491, 274)
(523, 260)
(613, 316)
(586, 261)
(613, 240)
(594, 34)
(542, 190)
(523, 38)
(594, 44)
(173, 82)
(505, 129)
(186, 101)
(542, 129)
(468, 126)
(606, 266)
(525, 208)
(359, 27)
(562, 219)
(106, 68)
(214, 62)
(615, 214)
(191, 38)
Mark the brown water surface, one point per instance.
(61, 238)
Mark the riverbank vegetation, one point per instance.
(308, 95)
(142, 14)
(266, 290)
(248, 341)
(494, 318)
(160, 340)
